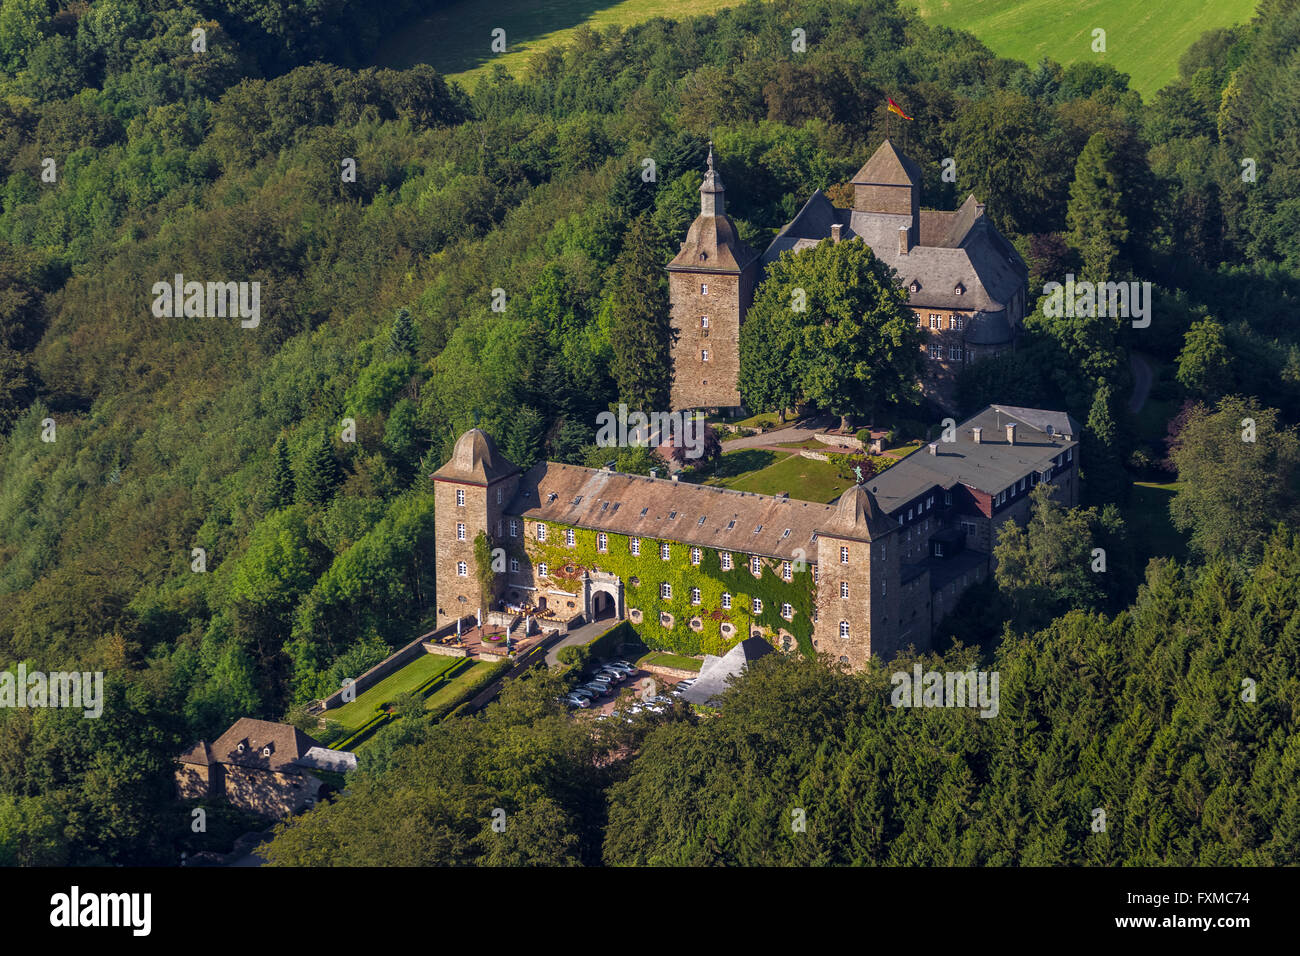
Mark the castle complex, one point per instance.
(699, 568)
(966, 283)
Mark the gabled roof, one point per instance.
(287, 744)
(476, 460)
(888, 167)
(718, 518)
(200, 755)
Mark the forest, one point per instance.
(181, 444)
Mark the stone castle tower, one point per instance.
(471, 493)
(710, 286)
(858, 581)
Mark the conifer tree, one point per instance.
(640, 330)
(402, 338)
(1098, 224)
(280, 491)
(319, 474)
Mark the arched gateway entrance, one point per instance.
(602, 596)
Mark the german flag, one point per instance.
(895, 108)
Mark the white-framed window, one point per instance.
(543, 570)
(844, 589)
(460, 531)
(787, 570)
(704, 321)
(499, 493)
(909, 514)
(954, 353)
(695, 555)
(704, 289)
(569, 537)
(934, 321)
(725, 558)
(787, 611)
(541, 531)
(514, 564)
(666, 591)
(664, 551)
(947, 498)
(514, 528)
(695, 595)
(883, 585)
(884, 549)
(844, 628)
(462, 569)
(755, 565)
(634, 545)
(726, 601)
(956, 323)
(936, 351)
(1069, 454)
(602, 541)
(704, 355)
(498, 527)
(844, 555)
(815, 574)
(460, 497)
(758, 605)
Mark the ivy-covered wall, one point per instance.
(643, 574)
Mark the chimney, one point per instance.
(904, 239)
(975, 434)
(836, 230)
(1011, 433)
(934, 448)
(654, 472)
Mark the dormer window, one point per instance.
(915, 286)
(959, 289)
(703, 256)
(266, 751)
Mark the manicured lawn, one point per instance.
(801, 477)
(662, 659)
(1149, 527)
(448, 691)
(1142, 40)
(352, 716)
(457, 39)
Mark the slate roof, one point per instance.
(475, 460)
(857, 515)
(717, 518)
(955, 248)
(717, 670)
(990, 466)
(888, 167)
(288, 744)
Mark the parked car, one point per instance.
(583, 692)
(610, 676)
(604, 679)
(623, 664)
(599, 690)
(573, 700)
(618, 667)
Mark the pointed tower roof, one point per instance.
(888, 167)
(859, 516)
(476, 460)
(712, 243)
